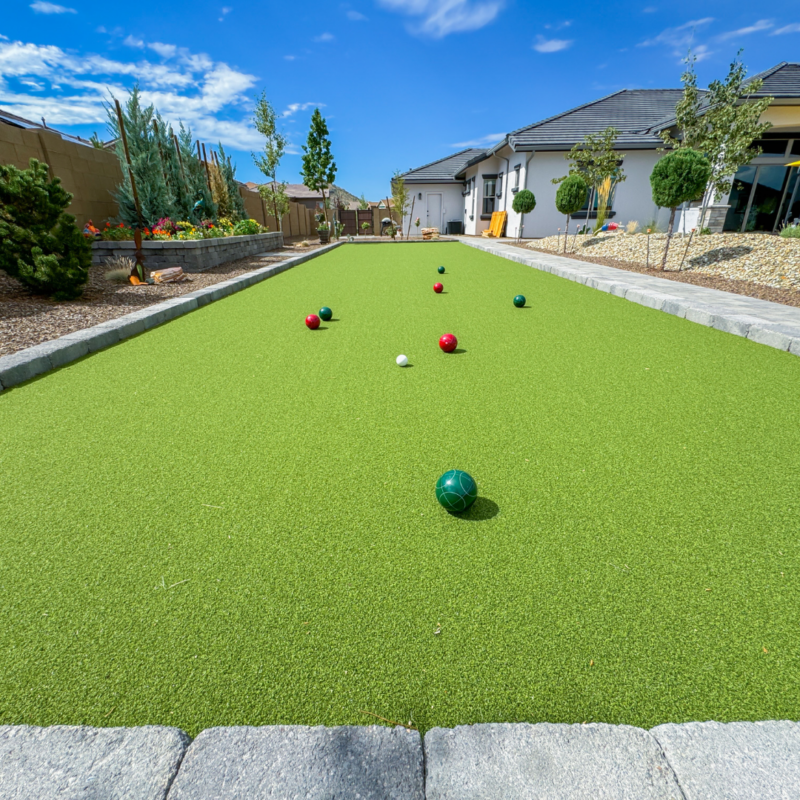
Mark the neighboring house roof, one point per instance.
(20, 122)
(445, 169)
(632, 112)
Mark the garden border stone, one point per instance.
(72, 761)
(33, 361)
(761, 321)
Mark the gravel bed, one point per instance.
(27, 319)
(756, 265)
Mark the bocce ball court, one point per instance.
(231, 519)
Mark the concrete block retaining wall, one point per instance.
(196, 255)
(521, 761)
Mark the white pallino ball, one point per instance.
(402, 361)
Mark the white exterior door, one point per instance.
(435, 210)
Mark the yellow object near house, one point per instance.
(497, 225)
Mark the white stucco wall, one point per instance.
(632, 198)
(452, 205)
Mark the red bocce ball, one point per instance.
(448, 343)
(312, 322)
(437, 287)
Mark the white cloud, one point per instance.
(649, 10)
(212, 97)
(680, 37)
(483, 141)
(443, 17)
(543, 45)
(761, 25)
(293, 108)
(355, 16)
(290, 58)
(164, 50)
(133, 41)
(324, 37)
(794, 27)
(41, 7)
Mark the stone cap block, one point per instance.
(553, 761)
(288, 761)
(67, 761)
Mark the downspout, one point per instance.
(525, 186)
(505, 193)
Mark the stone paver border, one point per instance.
(689, 761)
(33, 361)
(761, 321)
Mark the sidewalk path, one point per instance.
(772, 324)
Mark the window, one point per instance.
(772, 147)
(516, 178)
(796, 147)
(489, 186)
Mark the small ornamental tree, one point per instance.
(524, 203)
(400, 196)
(39, 244)
(319, 168)
(570, 197)
(680, 176)
(265, 120)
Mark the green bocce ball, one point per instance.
(456, 491)
(325, 313)
(519, 302)
(441, 270)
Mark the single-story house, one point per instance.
(459, 192)
(298, 193)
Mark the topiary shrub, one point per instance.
(570, 197)
(679, 177)
(524, 203)
(39, 244)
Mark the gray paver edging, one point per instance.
(761, 321)
(688, 761)
(33, 361)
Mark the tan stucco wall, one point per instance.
(88, 173)
(787, 117)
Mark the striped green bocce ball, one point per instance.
(325, 314)
(519, 301)
(456, 490)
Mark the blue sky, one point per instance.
(401, 82)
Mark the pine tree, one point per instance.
(203, 206)
(39, 243)
(319, 168)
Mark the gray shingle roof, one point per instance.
(445, 169)
(782, 80)
(631, 111)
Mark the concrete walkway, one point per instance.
(761, 321)
(692, 761)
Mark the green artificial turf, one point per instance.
(231, 519)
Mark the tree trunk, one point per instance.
(669, 237)
(325, 208)
(566, 234)
(278, 219)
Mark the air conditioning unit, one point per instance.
(455, 227)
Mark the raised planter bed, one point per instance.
(195, 255)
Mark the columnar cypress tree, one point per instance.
(236, 203)
(203, 206)
(319, 168)
(155, 197)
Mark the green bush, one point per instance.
(246, 227)
(571, 194)
(524, 202)
(39, 244)
(791, 232)
(679, 177)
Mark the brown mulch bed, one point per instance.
(27, 319)
(788, 297)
